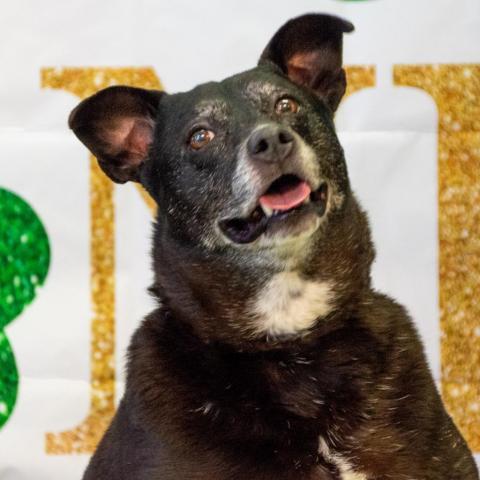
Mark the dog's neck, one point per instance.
(239, 299)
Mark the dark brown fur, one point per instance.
(207, 400)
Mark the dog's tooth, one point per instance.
(267, 210)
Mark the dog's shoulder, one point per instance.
(389, 321)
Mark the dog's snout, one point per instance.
(270, 143)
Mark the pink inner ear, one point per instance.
(301, 66)
(140, 137)
(131, 136)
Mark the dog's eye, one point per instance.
(200, 138)
(286, 105)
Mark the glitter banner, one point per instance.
(456, 91)
(83, 82)
(409, 128)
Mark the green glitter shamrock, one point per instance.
(24, 261)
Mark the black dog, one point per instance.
(269, 356)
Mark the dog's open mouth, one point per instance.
(286, 198)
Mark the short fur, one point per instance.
(225, 380)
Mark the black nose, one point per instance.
(270, 143)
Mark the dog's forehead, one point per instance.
(258, 82)
(236, 92)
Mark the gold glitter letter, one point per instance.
(84, 82)
(84, 438)
(359, 77)
(456, 90)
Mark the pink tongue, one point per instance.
(287, 199)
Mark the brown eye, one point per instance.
(286, 105)
(200, 138)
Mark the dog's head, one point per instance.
(249, 169)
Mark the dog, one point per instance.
(269, 355)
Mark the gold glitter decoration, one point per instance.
(359, 77)
(85, 437)
(456, 91)
(84, 82)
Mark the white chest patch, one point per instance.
(289, 304)
(346, 471)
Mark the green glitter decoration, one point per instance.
(24, 262)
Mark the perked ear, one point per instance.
(308, 49)
(116, 125)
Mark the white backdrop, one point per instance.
(389, 134)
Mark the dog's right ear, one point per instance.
(117, 125)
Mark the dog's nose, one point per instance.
(270, 143)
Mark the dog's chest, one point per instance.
(343, 476)
(345, 469)
(288, 304)
(345, 473)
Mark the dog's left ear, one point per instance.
(308, 49)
